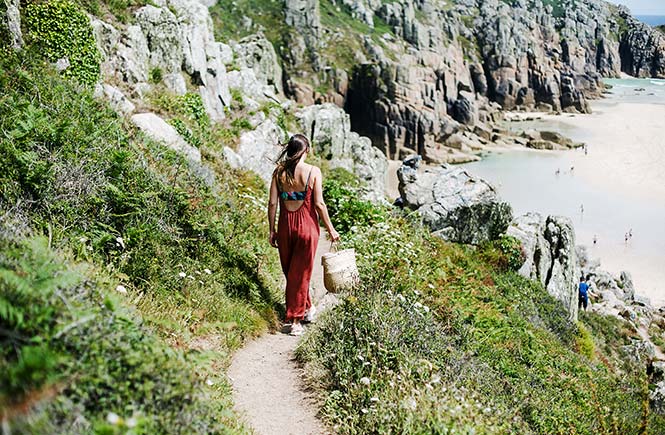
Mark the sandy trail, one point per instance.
(268, 387)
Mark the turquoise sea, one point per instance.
(616, 187)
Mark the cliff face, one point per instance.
(425, 70)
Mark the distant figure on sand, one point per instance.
(583, 298)
(630, 233)
(595, 239)
(558, 171)
(586, 149)
(572, 168)
(297, 187)
(625, 238)
(582, 209)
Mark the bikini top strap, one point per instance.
(308, 177)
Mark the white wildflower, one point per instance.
(401, 298)
(374, 399)
(120, 241)
(411, 403)
(182, 274)
(364, 411)
(418, 305)
(365, 380)
(121, 289)
(197, 272)
(436, 379)
(209, 383)
(416, 292)
(208, 271)
(131, 422)
(431, 286)
(426, 308)
(113, 418)
(200, 282)
(360, 357)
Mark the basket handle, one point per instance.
(333, 246)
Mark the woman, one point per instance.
(296, 185)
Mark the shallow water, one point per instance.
(618, 186)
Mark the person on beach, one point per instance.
(595, 240)
(583, 296)
(625, 238)
(297, 187)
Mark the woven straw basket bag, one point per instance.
(339, 270)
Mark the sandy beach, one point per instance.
(617, 186)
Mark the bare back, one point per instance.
(301, 175)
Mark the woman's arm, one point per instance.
(272, 212)
(321, 205)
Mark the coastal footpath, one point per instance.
(135, 153)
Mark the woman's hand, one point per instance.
(273, 239)
(334, 235)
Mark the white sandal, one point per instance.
(297, 330)
(310, 316)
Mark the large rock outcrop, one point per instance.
(642, 48)
(550, 255)
(444, 67)
(329, 129)
(159, 130)
(454, 204)
(173, 43)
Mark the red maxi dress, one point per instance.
(297, 238)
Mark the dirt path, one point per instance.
(267, 383)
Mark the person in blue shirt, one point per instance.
(583, 293)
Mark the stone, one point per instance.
(557, 138)
(657, 398)
(117, 99)
(640, 351)
(257, 53)
(13, 23)
(259, 149)
(627, 286)
(412, 161)
(550, 255)
(329, 129)
(454, 204)
(232, 158)
(543, 145)
(160, 131)
(174, 38)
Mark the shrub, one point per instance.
(191, 255)
(156, 75)
(60, 29)
(346, 209)
(521, 356)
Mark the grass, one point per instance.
(443, 338)
(229, 19)
(87, 199)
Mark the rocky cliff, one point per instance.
(423, 71)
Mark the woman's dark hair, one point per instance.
(289, 158)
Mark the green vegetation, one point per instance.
(127, 278)
(443, 338)
(121, 10)
(62, 31)
(235, 19)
